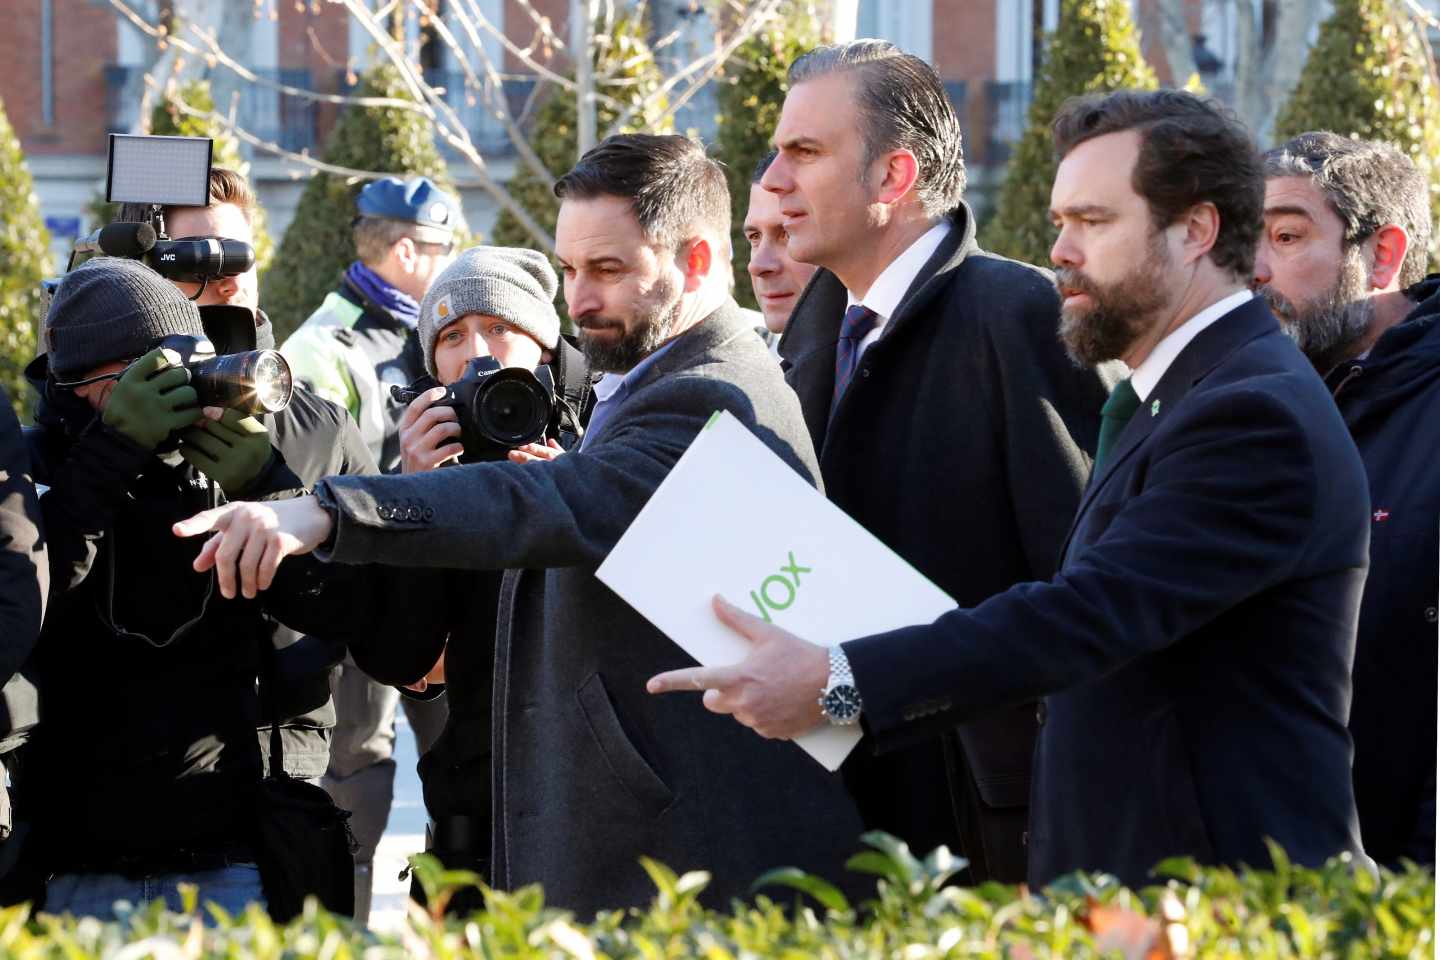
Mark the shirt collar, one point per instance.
(609, 384)
(1147, 376)
(889, 288)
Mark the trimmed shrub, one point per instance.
(1095, 49)
(1369, 76)
(24, 262)
(1339, 910)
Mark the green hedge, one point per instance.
(1336, 911)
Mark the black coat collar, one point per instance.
(814, 328)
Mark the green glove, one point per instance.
(152, 400)
(232, 451)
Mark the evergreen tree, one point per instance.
(626, 71)
(1096, 48)
(1368, 76)
(751, 94)
(318, 247)
(24, 262)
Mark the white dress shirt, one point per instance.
(889, 288)
(1152, 368)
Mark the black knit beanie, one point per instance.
(110, 308)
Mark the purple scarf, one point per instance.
(401, 305)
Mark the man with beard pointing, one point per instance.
(1193, 652)
(592, 772)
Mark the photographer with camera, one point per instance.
(315, 437)
(143, 772)
(492, 310)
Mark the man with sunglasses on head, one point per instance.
(360, 342)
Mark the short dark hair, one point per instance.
(763, 166)
(1192, 150)
(1368, 183)
(672, 186)
(902, 105)
(226, 186)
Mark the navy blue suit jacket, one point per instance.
(1194, 651)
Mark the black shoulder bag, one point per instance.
(304, 844)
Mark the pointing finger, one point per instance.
(693, 679)
(203, 522)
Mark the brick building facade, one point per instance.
(74, 71)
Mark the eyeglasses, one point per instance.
(441, 249)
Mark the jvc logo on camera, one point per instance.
(167, 258)
(777, 592)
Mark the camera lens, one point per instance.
(512, 408)
(273, 384)
(255, 382)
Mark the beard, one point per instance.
(1119, 313)
(1327, 328)
(654, 318)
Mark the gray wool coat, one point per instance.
(592, 772)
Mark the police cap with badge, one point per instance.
(435, 213)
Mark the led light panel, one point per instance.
(172, 171)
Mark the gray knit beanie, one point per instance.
(110, 308)
(509, 283)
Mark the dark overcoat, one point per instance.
(591, 771)
(963, 443)
(1194, 651)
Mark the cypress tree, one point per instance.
(318, 247)
(750, 96)
(1096, 48)
(1368, 76)
(24, 262)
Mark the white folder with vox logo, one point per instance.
(733, 518)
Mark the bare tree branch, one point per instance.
(493, 93)
(212, 49)
(304, 158)
(759, 14)
(1175, 39)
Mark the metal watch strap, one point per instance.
(839, 668)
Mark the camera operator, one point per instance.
(315, 437)
(491, 302)
(144, 771)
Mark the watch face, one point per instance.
(842, 703)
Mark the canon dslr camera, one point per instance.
(499, 408)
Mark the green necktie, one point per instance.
(1118, 410)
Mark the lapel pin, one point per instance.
(1155, 409)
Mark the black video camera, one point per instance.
(255, 381)
(159, 172)
(499, 408)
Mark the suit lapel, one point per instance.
(934, 277)
(1211, 347)
(808, 348)
(811, 337)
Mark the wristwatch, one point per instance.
(840, 701)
